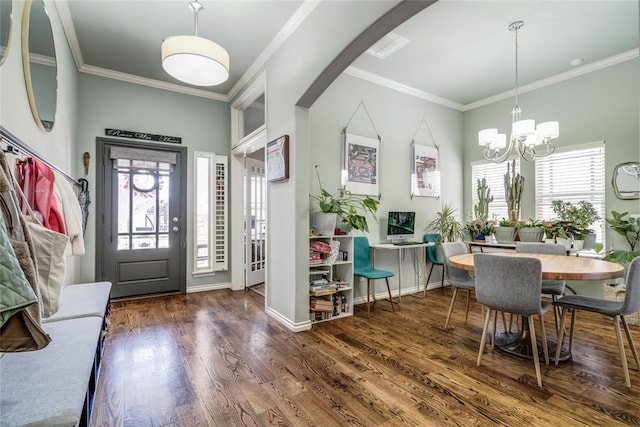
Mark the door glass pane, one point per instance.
(123, 202)
(163, 203)
(123, 242)
(163, 241)
(144, 242)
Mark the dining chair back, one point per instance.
(457, 278)
(555, 288)
(362, 267)
(617, 310)
(512, 285)
(432, 257)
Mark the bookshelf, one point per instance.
(330, 277)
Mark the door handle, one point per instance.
(175, 229)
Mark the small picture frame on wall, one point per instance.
(425, 179)
(278, 159)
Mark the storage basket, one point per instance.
(616, 293)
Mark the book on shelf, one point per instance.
(320, 246)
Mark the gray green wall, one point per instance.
(601, 105)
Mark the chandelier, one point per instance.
(195, 60)
(529, 140)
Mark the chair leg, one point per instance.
(545, 348)
(630, 339)
(483, 339)
(623, 356)
(493, 329)
(563, 319)
(466, 314)
(368, 296)
(390, 298)
(572, 328)
(453, 301)
(442, 282)
(504, 323)
(555, 312)
(534, 349)
(427, 282)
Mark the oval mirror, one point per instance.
(5, 29)
(626, 180)
(39, 63)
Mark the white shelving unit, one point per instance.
(324, 304)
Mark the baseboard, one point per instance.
(293, 327)
(210, 287)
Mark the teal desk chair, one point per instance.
(432, 258)
(362, 268)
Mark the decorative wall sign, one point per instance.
(278, 159)
(426, 171)
(142, 135)
(361, 164)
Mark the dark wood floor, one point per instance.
(215, 358)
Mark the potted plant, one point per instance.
(629, 228)
(584, 215)
(447, 225)
(505, 232)
(480, 229)
(350, 208)
(513, 184)
(531, 231)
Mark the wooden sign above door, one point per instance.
(142, 135)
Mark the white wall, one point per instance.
(398, 118)
(57, 146)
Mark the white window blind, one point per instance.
(494, 174)
(210, 243)
(572, 175)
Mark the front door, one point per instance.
(142, 200)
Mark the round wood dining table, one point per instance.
(554, 267)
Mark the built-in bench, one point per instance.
(56, 385)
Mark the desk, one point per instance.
(400, 249)
(554, 267)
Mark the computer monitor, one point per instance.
(400, 226)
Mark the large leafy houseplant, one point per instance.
(629, 228)
(351, 208)
(447, 225)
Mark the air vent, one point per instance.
(387, 45)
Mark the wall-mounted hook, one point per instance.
(86, 158)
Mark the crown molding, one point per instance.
(567, 75)
(283, 35)
(130, 78)
(392, 84)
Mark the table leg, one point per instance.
(400, 252)
(519, 344)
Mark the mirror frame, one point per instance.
(629, 195)
(26, 64)
(3, 58)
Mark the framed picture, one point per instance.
(361, 164)
(425, 180)
(278, 159)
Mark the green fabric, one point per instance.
(362, 261)
(15, 290)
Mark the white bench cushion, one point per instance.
(82, 300)
(48, 386)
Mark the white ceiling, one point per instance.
(460, 53)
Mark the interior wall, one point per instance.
(203, 125)
(601, 105)
(57, 146)
(398, 118)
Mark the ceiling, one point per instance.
(460, 53)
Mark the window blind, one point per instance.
(494, 174)
(572, 175)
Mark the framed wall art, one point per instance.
(278, 159)
(361, 164)
(425, 179)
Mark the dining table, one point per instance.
(554, 267)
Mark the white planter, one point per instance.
(505, 234)
(578, 245)
(324, 224)
(565, 242)
(531, 234)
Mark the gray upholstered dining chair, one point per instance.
(457, 278)
(617, 310)
(555, 288)
(512, 285)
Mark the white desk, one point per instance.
(400, 249)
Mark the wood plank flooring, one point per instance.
(216, 359)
